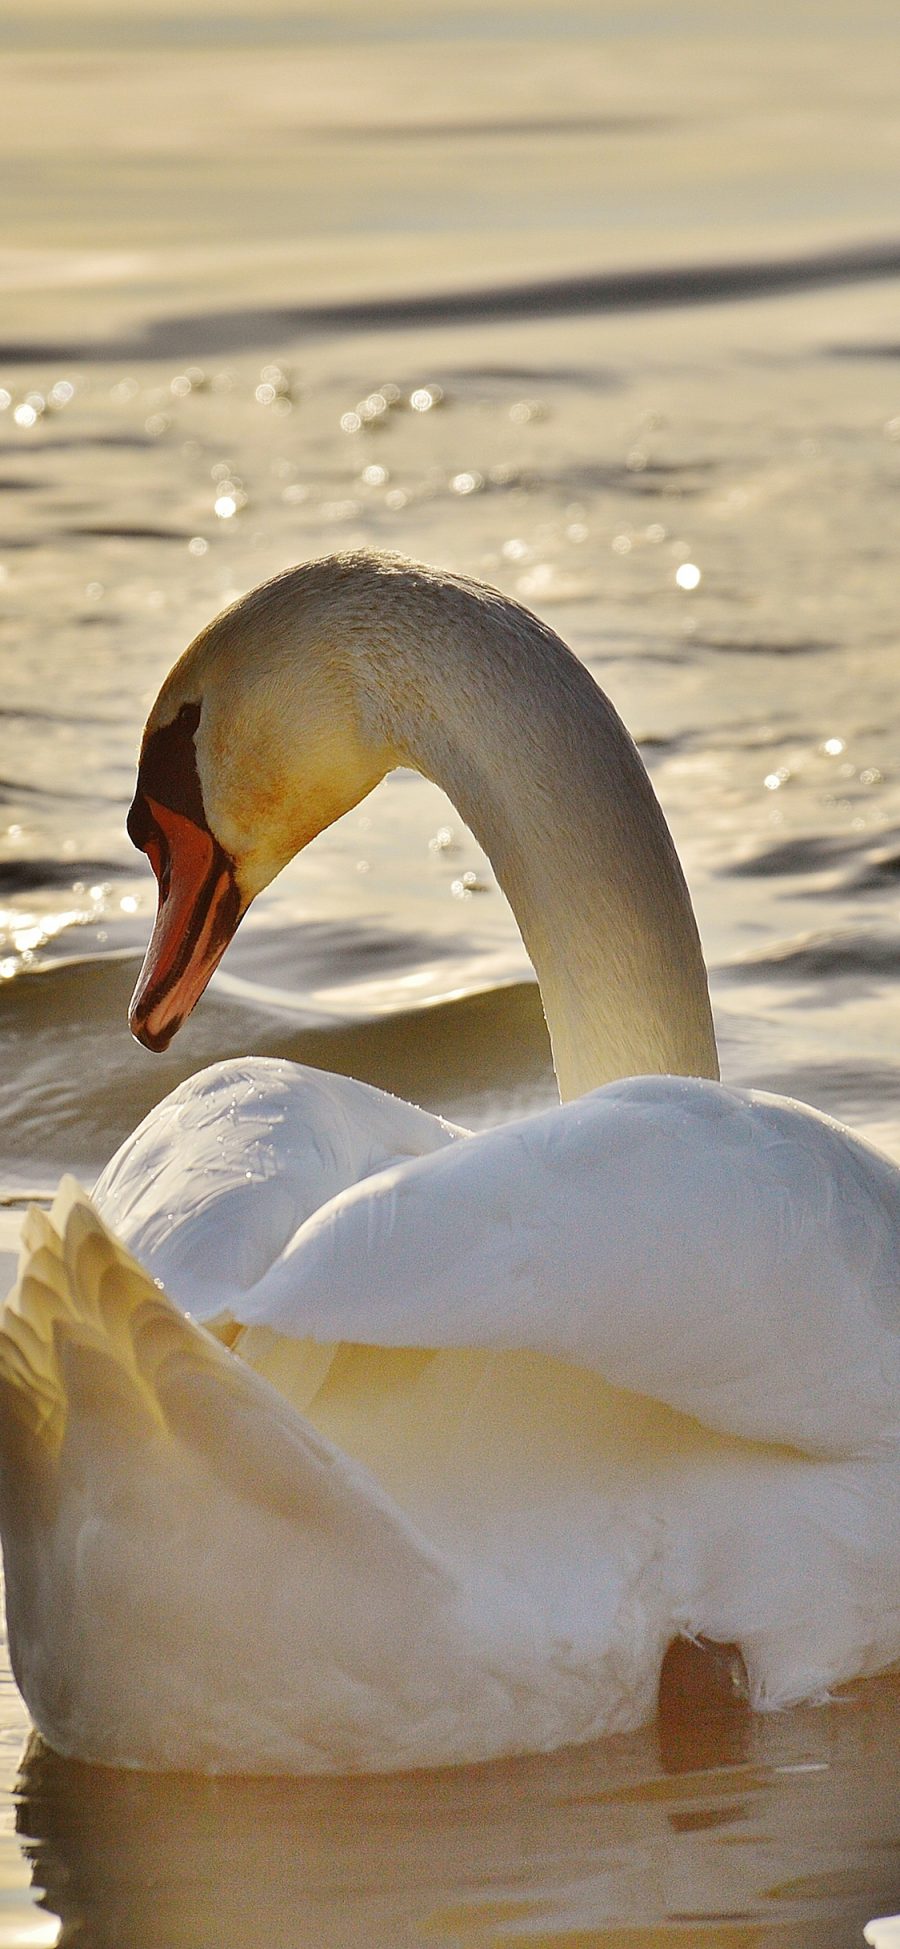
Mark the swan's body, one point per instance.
(524, 1405)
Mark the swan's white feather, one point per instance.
(733, 1254)
(199, 1546)
(237, 1157)
(614, 1428)
(452, 1554)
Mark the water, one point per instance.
(747, 1840)
(583, 306)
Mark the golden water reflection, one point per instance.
(728, 1831)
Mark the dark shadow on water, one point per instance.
(601, 291)
(817, 853)
(23, 876)
(820, 957)
(120, 532)
(741, 646)
(498, 128)
(889, 351)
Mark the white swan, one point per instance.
(509, 1413)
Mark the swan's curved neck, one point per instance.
(488, 702)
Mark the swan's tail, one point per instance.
(183, 1552)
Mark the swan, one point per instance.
(336, 1439)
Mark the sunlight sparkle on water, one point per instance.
(274, 391)
(688, 576)
(230, 495)
(466, 885)
(27, 933)
(373, 407)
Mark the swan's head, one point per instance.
(254, 745)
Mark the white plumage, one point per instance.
(477, 1424)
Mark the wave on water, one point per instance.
(79, 1083)
(651, 288)
(821, 957)
(821, 853)
(853, 1092)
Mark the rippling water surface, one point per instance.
(602, 308)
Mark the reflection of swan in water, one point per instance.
(572, 1847)
(554, 1393)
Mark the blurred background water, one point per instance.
(600, 304)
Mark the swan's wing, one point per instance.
(80, 1290)
(212, 1186)
(732, 1254)
(184, 1554)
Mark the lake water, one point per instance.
(600, 305)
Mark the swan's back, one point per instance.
(730, 1253)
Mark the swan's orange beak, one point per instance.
(199, 908)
